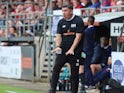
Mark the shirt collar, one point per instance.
(105, 47)
(70, 18)
(90, 26)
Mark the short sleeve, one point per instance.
(59, 27)
(80, 26)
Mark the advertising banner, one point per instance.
(117, 29)
(10, 61)
(118, 67)
(27, 62)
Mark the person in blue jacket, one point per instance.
(89, 41)
(99, 63)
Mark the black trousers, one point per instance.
(59, 63)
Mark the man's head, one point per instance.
(2, 33)
(76, 3)
(91, 20)
(104, 41)
(67, 11)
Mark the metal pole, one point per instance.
(43, 42)
(118, 46)
(50, 39)
(7, 15)
(122, 46)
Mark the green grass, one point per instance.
(11, 89)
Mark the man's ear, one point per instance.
(71, 11)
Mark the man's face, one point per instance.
(67, 13)
(95, 1)
(104, 41)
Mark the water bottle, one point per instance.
(62, 85)
(59, 52)
(67, 85)
(58, 86)
(110, 73)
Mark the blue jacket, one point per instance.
(100, 55)
(89, 42)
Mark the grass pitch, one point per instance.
(11, 89)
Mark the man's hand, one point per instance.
(120, 39)
(70, 52)
(75, 44)
(56, 49)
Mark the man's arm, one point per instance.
(58, 40)
(76, 41)
(75, 44)
(58, 43)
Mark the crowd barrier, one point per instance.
(26, 22)
(20, 65)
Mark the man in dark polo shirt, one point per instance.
(69, 43)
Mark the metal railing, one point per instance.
(30, 22)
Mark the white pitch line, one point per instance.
(10, 91)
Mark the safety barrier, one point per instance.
(20, 65)
(27, 26)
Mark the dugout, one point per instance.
(108, 24)
(112, 24)
(103, 23)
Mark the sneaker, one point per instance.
(91, 89)
(86, 87)
(82, 91)
(80, 84)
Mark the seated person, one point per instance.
(120, 39)
(104, 74)
(13, 32)
(101, 54)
